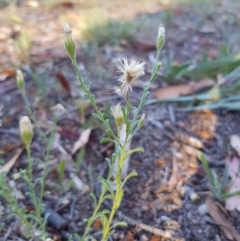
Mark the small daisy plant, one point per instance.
(128, 115)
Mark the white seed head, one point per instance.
(58, 109)
(67, 29)
(117, 114)
(20, 80)
(26, 130)
(48, 239)
(130, 72)
(160, 37)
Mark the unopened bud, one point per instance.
(117, 114)
(26, 130)
(141, 121)
(160, 38)
(20, 80)
(69, 43)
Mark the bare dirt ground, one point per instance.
(147, 200)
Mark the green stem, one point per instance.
(28, 107)
(94, 214)
(93, 102)
(30, 163)
(49, 146)
(117, 197)
(36, 203)
(145, 92)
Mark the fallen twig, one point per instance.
(145, 227)
(8, 165)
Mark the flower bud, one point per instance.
(141, 121)
(26, 130)
(160, 38)
(20, 80)
(117, 114)
(69, 43)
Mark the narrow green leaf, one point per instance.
(105, 139)
(96, 116)
(137, 149)
(130, 175)
(104, 221)
(124, 113)
(206, 168)
(228, 195)
(107, 185)
(93, 198)
(128, 125)
(122, 224)
(108, 196)
(224, 179)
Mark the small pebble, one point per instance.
(144, 238)
(165, 218)
(202, 209)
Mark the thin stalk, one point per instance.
(92, 100)
(94, 213)
(49, 145)
(117, 198)
(28, 107)
(36, 203)
(30, 163)
(145, 92)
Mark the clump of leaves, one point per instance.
(219, 186)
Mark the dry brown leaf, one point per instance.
(155, 238)
(79, 184)
(82, 141)
(64, 4)
(160, 163)
(173, 180)
(221, 220)
(129, 237)
(184, 89)
(5, 73)
(64, 82)
(97, 224)
(143, 46)
(7, 166)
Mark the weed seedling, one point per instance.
(122, 114)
